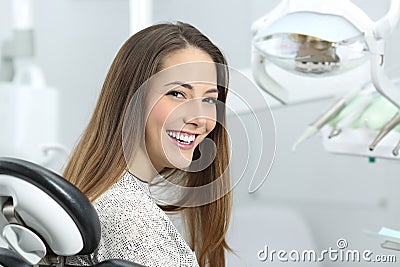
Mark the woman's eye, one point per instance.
(176, 94)
(210, 100)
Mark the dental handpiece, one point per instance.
(330, 114)
(321, 121)
(326, 117)
(394, 121)
(353, 116)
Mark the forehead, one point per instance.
(188, 65)
(185, 55)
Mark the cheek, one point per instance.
(211, 125)
(212, 122)
(161, 116)
(158, 116)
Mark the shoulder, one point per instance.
(125, 199)
(135, 228)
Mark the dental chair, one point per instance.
(44, 218)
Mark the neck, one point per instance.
(142, 167)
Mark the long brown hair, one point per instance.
(98, 160)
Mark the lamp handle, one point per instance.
(278, 11)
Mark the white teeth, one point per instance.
(182, 137)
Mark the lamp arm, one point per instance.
(375, 39)
(264, 80)
(388, 22)
(380, 80)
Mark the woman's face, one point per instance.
(181, 104)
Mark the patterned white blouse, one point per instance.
(134, 228)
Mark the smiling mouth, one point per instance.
(182, 137)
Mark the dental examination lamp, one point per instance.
(44, 218)
(321, 38)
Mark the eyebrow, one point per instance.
(190, 87)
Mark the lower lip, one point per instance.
(179, 144)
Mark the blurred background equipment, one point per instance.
(29, 107)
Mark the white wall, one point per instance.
(75, 44)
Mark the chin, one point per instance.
(181, 161)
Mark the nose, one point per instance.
(199, 122)
(196, 113)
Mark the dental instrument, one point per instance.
(353, 115)
(385, 130)
(335, 109)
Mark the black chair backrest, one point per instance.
(64, 193)
(9, 258)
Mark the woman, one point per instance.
(141, 129)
